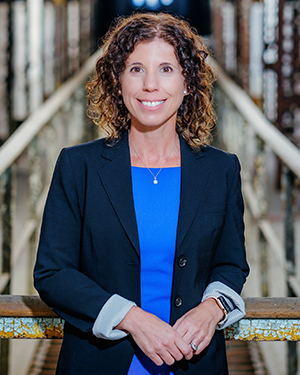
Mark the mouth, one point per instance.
(152, 104)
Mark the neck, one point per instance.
(154, 149)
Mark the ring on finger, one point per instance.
(194, 346)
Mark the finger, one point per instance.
(167, 358)
(203, 340)
(189, 355)
(202, 345)
(156, 359)
(184, 348)
(177, 348)
(189, 335)
(176, 353)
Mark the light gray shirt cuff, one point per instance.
(111, 314)
(234, 300)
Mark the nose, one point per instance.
(150, 82)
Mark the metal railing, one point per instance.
(27, 160)
(42, 43)
(32, 150)
(270, 175)
(267, 319)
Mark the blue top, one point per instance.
(156, 209)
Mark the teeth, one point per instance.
(152, 104)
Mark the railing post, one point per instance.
(86, 31)
(7, 188)
(35, 189)
(61, 42)
(6, 213)
(10, 75)
(260, 184)
(289, 241)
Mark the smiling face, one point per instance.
(153, 85)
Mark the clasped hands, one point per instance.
(166, 344)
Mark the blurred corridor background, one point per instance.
(47, 52)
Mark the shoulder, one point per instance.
(83, 155)
(89, 149)
(77, 159)
(98, 151)
(220, 158)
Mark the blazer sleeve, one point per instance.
(229, 265)
(57, 276)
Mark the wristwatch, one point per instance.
(224, 306)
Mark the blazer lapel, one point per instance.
(116, 178)
(194, 176)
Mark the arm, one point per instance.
(228, 272)
(72, 294)
(229, 264)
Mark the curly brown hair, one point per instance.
(196, 116)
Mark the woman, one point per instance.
(142, 245)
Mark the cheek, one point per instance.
(126, 101)
(129, 98)
(129, 87)
(175, 87)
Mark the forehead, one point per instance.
(155, 50)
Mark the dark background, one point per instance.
(197, 12)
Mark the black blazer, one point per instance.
(89, 248)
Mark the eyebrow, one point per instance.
(139, 63)
(133, 64)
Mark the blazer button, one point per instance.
(182, 262)
(178, 301)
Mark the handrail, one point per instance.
(256, 307)
(267, 319)
(20, 139)
(277, 142)
(29, 306)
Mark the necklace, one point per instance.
(155, 181)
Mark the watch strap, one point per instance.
(226, 305)
(222, 307)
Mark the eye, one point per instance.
(166, 69)
(136, 69)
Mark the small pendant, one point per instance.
(155, 181)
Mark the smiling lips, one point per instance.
(152, 104)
